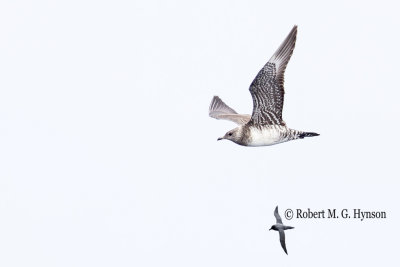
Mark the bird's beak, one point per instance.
(219, 139)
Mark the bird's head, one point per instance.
(273, 227)
(233, 135)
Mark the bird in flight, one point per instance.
(264, 127)
(280, 228)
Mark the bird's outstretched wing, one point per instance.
(278, 218)
(282, 239)
(267, 88)
(219, 110)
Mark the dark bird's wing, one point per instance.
(278, 218)
(267, 88)
(219, 110)
(282, 239)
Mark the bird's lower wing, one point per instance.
(239, 119)
(282, 239)
(221, 111)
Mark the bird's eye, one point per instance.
(230, 134)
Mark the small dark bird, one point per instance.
(281, 228)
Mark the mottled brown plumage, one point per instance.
(265, 126)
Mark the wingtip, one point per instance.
(294, 30)
(215, 98)
(213, 102)
(285, 250)
(218, 105)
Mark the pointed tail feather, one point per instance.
(288, 227)
(307, 134)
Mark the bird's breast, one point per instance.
(267, 135)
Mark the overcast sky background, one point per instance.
(108, 156)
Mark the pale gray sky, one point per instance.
(108, 157)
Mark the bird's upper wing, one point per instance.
(282, 239)
(220, 110)
(278, 218)
(267, 88)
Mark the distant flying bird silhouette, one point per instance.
(280, 228)
(265, 126)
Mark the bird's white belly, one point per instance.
(265, 137)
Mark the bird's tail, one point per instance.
(307, 134)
